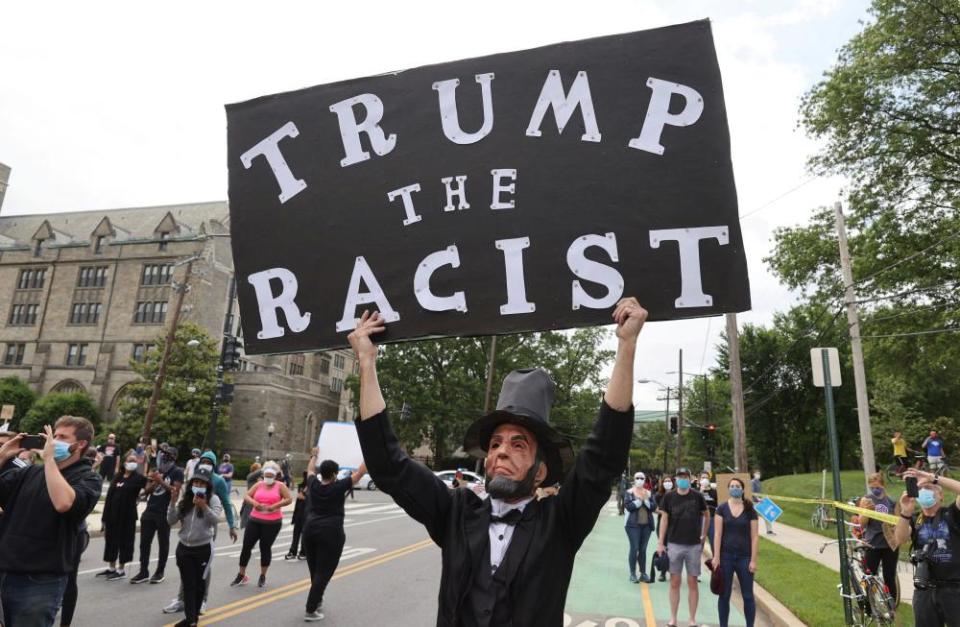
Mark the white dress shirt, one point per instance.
(501, 533)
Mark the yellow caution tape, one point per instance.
(890, 519)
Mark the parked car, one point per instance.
(473, 481)
(365, 483)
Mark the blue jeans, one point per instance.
(639, 536)
(740, 565)
(31, 600)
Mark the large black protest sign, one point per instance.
(515, 192)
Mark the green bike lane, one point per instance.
(601, 594)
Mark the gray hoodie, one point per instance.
(198, 527)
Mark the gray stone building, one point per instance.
(82, 294)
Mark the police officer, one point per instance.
(935, 534)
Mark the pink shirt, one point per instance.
(267, 495)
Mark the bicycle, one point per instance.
(820, 518)
(871, 599)
(895, 470)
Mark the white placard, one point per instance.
(338, 441)
(816, 362)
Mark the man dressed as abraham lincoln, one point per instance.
(507, 560)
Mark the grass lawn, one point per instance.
(809, 589)
(808, 486)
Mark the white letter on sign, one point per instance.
(658, 113)
(350, 129)
(421, 282)
(405, 194)
(499, 188)
(268, 303)
(447, 92)
(516, 286)
(362, 271)
(269, 147)
(460, 192)
(564, 106)
(595, 272)
(688, 241)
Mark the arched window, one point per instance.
(68, 386)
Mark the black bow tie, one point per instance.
(510, 518)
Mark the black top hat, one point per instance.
(525, 400)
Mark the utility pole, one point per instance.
(679, 454)
(666, 426)
(218, 392)
(859, 374)
(181, 289)
(736, 396)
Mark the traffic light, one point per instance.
(711, 429)
(673, 425)
(226, 393)
(232, 348)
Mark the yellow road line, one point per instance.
(243, 605)
(648, 605)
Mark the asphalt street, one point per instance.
(389, 574)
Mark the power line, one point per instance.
(912, 311)
(905, 259)
(918, 290)
(706, 342)
(928, 332)
(770, 202)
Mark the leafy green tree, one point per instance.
(442, 382)
(182, 416)
(46, 410)
(14, 391)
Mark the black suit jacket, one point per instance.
(539, 561)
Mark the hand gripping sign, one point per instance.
(515, 192)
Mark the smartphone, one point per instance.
(33, 442)
(912, 490)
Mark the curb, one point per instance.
(777, 612)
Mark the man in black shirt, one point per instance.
(153, 521)
(935, 533)
(683, 530)
(44, 506)
(111, 457)
(507, 560)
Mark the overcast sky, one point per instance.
(120, 104)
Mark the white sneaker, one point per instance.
(175, 607)
(314, 616)
(203, 607)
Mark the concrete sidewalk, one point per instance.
(808, 544)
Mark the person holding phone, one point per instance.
(198, 513)
(267, 497)
(119, 519)
(153, 521)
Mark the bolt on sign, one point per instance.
(516, 192)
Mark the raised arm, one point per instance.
(358, 475)
(629, 316)
(371, 398)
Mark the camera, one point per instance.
(920, 558)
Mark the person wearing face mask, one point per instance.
(191, 463)
(44, 507)
(198, 513)
(683, 531)
(883, 551)
(267, 497)
(710, 496)
(639, 505)
(110, 464)
(736, 542)
(323, 536)
(757, 488)
(153, 521)
(934, 532)
(119, 519)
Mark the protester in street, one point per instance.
(935, 536)
(285, 470)
(252, 478)
(622, 486)
(323, 535)
(153, 521)
(899, 452)
(71, 594)
(110, 464)
(191, 463)
(119, 519)
(665, 485)
(736, 542)
(299, 516)
(683, 531)
(933, 445)
(757, 488)
(267, 497)
(883, 551)
(44, 506)
(198, 512)
(640, 505)
(507, 560)
(140, 450)
(710, 496)
(226, 472)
